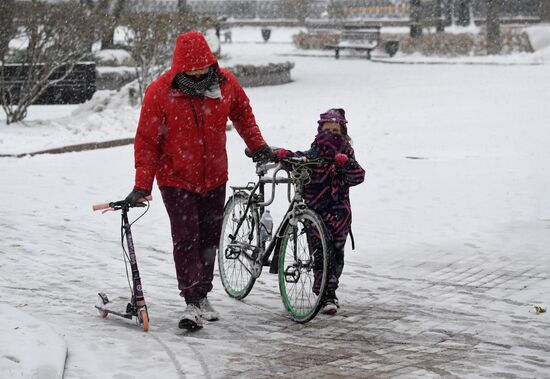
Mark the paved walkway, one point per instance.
(464, 315)
(449, 320)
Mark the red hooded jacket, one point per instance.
(180, 138)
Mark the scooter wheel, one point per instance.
(144, 319)
(103, 314)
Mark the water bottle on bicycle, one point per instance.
(266, 226)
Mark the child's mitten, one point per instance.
(281, 153)
(341, 159)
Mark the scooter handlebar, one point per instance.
(109, 206)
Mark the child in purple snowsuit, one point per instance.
(328, 191)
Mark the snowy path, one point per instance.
(452, 227)
(461, 314)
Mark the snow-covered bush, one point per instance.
(440, 44)
(112, 100)
(113, 57)
(271, 74)
(460, 44)
(315, 39)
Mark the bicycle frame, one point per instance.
(299, 251)
(258, 201)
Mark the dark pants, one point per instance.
(196, 222)
(336, 264)
(337, 219)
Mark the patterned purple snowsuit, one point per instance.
(328, 195)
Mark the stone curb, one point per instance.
(73, 148)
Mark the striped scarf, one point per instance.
(208, 86)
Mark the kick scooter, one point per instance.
(136, 307)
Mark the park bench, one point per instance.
(358, 39)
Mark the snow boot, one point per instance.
(191, 318)
(329, 307)
(208, 312)
(330, 303)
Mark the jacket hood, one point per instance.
(191, 53)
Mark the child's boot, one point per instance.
(330, 303)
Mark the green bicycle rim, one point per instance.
(295, 312)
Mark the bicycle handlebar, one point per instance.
(297, 163)
(294, 160)
(115, 205)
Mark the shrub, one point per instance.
(462, 44)
(315, 39)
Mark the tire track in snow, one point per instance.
(199, 357)
(172, 356)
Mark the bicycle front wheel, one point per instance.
(236, 255)
(303, 265)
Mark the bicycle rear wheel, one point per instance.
(235, 256)
(303, 265)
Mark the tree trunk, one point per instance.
(415, 17)
(545, 10)
(494, 45)
(302, 8)
(7, 28)
(107, 40)
(87, 3)
(182, 6)
(463, 16)
(17, 115)
(439, 22)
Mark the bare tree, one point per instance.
(151, 38)
(58, 37)
(494, 44)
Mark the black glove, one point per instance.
(264, 154)
(135, 197)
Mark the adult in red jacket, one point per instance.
(181, 140)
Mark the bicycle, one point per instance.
(301, 241)
(136, 307)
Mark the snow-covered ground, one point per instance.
(457, 173)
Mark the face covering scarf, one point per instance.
(208, 86)
(329, 143)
